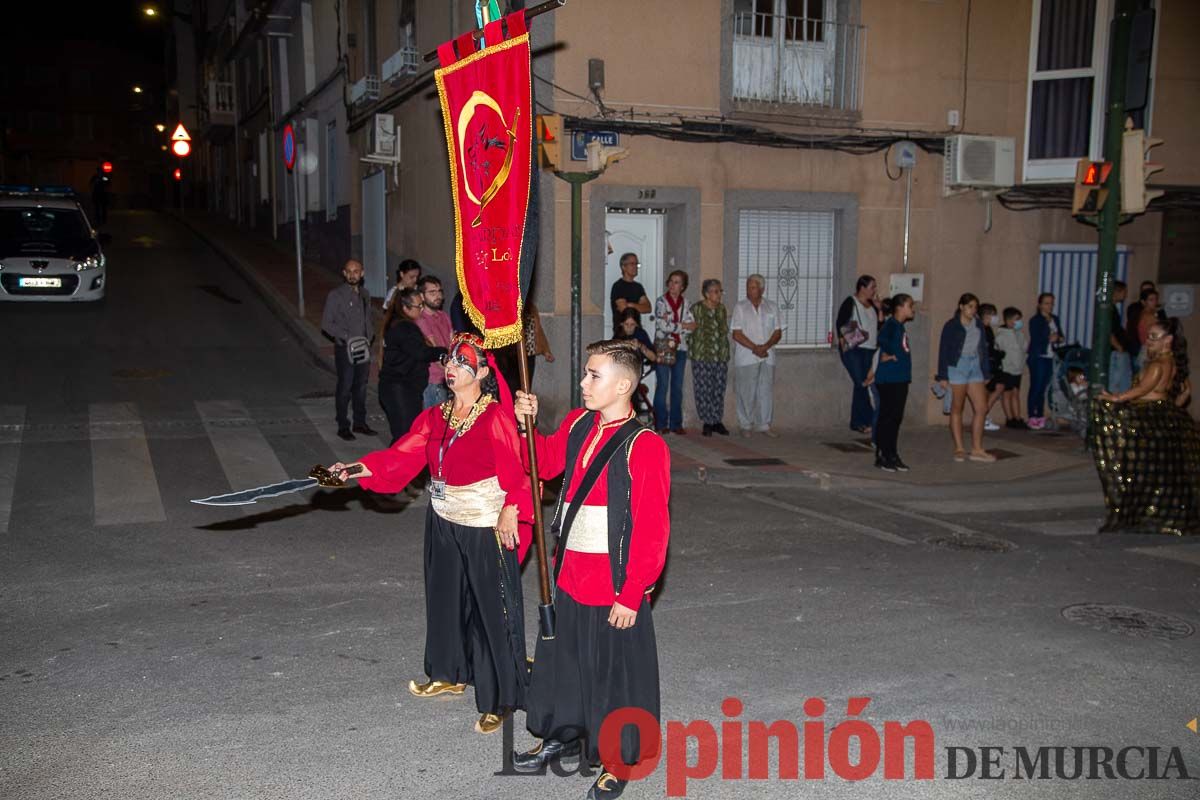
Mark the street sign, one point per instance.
(289, 146)
(580, 139)
(181, 148)
(180, 134)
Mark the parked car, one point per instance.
(48, 249)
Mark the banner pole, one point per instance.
(546, 607)
(530, 13)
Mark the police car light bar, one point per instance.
(23, 189)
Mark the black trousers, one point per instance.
(892, 399)
(474, 614)
(401, 402)
(351, 385)
(589, 670)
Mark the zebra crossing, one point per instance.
(132, 457)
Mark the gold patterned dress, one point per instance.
(1148, 455)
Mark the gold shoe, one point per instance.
(434, 688)
(489, 723)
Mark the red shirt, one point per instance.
(488, 449)
(587, 577)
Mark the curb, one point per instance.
(279, 306)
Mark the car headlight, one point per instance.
(91, 262)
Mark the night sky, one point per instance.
(119, 22)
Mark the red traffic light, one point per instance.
(178, 174)
(1097, 173)
(181, 148)
(106, 167)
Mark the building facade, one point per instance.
(766, 136)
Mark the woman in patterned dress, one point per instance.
(709, 348)
(1146, 445)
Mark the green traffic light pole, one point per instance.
(577, 180)
(1110, 214)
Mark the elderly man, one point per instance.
(347, 321)
(756, 330)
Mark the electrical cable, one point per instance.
(887, 170)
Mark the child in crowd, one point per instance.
(891, 377)
(991, 320)
(1012, 344)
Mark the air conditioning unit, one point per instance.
(364, 90)
(382, 141)
(979, 162)
(401, 64)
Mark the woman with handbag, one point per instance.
(672, 319)
(858, 337)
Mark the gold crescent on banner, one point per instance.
(481, 98)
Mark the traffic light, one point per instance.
(106, 167)
(178, 174)
(1135, 169)
(1090, 194)
(549, 136)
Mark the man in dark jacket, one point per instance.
(347, 318)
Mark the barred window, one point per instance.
(794, 252)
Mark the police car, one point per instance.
(48, 250)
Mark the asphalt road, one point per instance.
(157, 649)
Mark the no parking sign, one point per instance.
(289, 146)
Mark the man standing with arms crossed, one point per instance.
(347, 317)
(613, 525)
(626, 292)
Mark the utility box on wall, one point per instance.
(910, 283)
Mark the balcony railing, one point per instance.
(402, 64)
(798, 61)
(218, 108)
(365, 90)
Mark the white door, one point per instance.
(374, 192)
(634, 233)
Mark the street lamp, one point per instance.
(160, 127)
(137, 90)
(150, 11)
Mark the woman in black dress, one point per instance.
(405, 368)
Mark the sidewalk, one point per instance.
(823, 458)
(270, 269)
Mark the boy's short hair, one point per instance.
(987, 308)
(428, 280)
(1119, 285)
(1011, 313)
(1074, 374)
(625, 353)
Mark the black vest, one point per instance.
(620, 514)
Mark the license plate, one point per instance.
(40, 283)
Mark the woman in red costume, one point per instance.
(476, 534)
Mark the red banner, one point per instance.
(487, 107)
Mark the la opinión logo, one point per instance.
(853, 750)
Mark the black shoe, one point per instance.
(547, 750)
(346, 435)
(708, 431)
(899, 465)
(885, 464)
(365, 430)
(606, 787)
(720, 429)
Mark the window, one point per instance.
(797, 52)
(370, 58)
(1068, 50)
(794, 251)
(331, 175)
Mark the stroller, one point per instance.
(643, 406)
(1066, 401)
